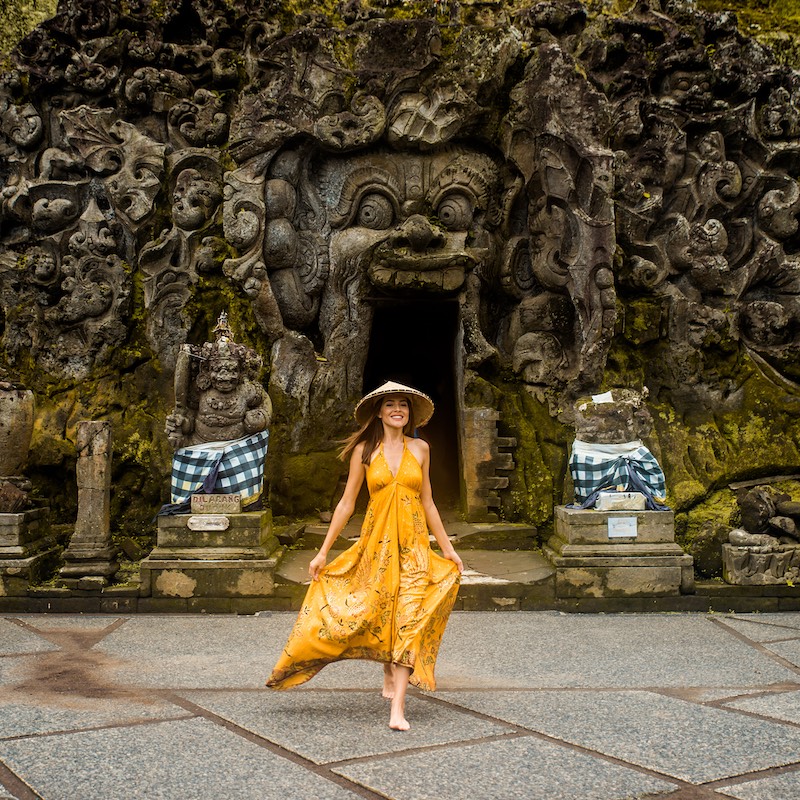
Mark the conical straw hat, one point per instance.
(420, 402)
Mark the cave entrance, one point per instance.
(414, 342)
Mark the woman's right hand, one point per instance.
(317, 563)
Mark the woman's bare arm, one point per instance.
(343, 511)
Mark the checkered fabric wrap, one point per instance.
(235, 467)
(592, 471)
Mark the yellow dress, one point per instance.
(387, 598)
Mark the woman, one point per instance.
(388, 597)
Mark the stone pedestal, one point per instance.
(618, 554)
(27, 552)
(205, 555)
(90, 558)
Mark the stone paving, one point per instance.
(531, 705)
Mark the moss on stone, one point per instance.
(718, 508)
(20, 17)
(775, 24)
(537, 482)
(303, 483)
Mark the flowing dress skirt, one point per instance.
(387, 598)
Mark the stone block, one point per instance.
(620, 501)
(579, 526)
(23, 530)
(761, 566)
(18, 574)
(209, 605)
(248, 534)
(119, 605)
(185, 579)
(630, 580)
(216, 504)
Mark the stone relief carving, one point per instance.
(766, 548)
(171, 264)
(547, 168)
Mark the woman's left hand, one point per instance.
(456, 559)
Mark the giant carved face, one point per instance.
(420, 221)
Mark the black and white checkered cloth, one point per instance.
(629, 468)
(235, 467)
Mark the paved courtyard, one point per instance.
(531, 705)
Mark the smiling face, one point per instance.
(394, 411)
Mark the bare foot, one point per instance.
(397, 718)
(388, 681)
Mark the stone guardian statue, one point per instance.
(219, 426)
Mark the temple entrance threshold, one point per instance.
(414, 342)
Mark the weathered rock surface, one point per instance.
(604, 201)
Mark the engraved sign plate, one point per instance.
(208, 522)
(216, 503)
(622, 527)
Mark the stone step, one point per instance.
(493, 580)
(464, 535)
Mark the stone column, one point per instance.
(91, 558)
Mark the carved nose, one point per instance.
(418, 234)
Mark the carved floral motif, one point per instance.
(552, 171)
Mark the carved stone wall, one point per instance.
(609, 200)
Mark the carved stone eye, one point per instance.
(455, 212)
(376, 212)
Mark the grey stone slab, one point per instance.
(778, 787)
(788, 650)
(518, 566)
(162, 761)
(781, 705)
(29, 718)
(301, 721)
(53, 622)
(14, 639)
(294, 565)
(765, 627)
(525, 650)
(675, 737)
(13, 669)
(542, 649)
(197, 651)
(516, 769)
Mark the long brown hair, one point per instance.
(371, 432)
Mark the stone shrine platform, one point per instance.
(621, 553)
(211, 557)
(504, 571)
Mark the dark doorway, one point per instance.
(414, 342)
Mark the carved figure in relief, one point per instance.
(173, 261)
(766, 548)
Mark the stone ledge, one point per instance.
(515, 595)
